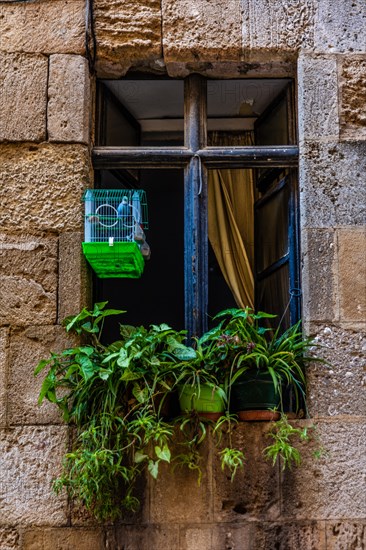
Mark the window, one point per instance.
(212, 155)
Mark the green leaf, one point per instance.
(141, 394)
(232, 312)
(48, 389)
(140, 457)
(98, 306)
(129, 375)
(110, 356)
(163, 327)
(182, 352)
(70, 321)
(124, 363)
(88, 350)
(153, 468)
(164, 453)
(104, 374)
(87, 367)
(41, 365)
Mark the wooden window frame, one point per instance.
(195, 158)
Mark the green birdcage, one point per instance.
(115, 224)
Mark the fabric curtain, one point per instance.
(231, 222)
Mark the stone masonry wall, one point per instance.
(46, 106)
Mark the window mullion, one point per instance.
(195, 208)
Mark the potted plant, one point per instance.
(264, 363)
(113, 396)
(200, 384)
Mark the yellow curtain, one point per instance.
(231, 222)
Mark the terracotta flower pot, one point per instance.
(258, 416)
(253, 396)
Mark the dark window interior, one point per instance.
(158, 296)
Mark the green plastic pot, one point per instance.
(203, 399)
(254, 390)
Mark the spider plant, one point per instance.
(246, 345)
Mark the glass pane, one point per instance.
(272, 230)
(236, 105)
(152, 110)
(158, 296)
(273, 128)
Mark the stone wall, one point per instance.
(46, 106)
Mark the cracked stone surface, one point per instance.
(28, 279)
(23, 96)
(49, 26)
(332, 190)
(337, 388)
(127, 34)
(68, 111)
(27, 347)
(353, 98)
(41, 186)
(30, 458)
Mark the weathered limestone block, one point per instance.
(337, 388)
(201, 31)
(340, 26)
(64, 538)
(253, 535)
(9, 538)
(45, 26)
(332, 190)
(277, 25)
(353, 98)
(229, 536)
(41, 186)
(28, 280)
(318, 98)
(260, 499)
(69, 106)
(74, 276)
(197, 537)
(128, 33)
(342, 535)
(216, 537)
(283, 536)
(30, 458)
(23, 97)
(352, 273)
(145, 537)
(24, 301)
(331, 487)
(184, 501)
(4, 345)
(319, 284)
(27, 347)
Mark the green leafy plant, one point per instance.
(231, 458)
(116, 398)
(285, 438)
(243, 340)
